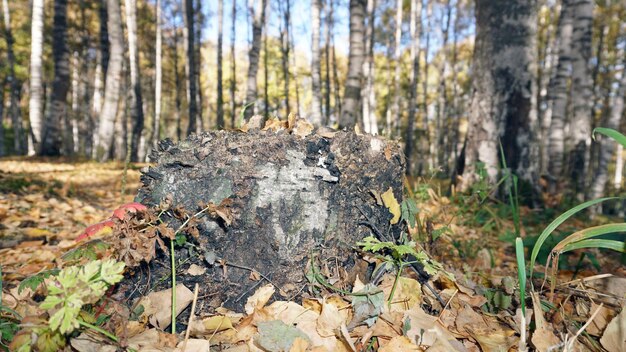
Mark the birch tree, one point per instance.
(501, 82)
(220, 94)
(395, 107)
(316, 78)
(352, 93)
(370, 124)
(35, 103)
(113, 77)
(416, 29)
(14, 84)
(582, 94)
(233, 65)
(136, 100)
(190, 66)
(256, 10)
(158, 68)
(52, 141)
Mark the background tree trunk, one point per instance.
(233, 67)
(220, 93)
(190, 66)
(416, 32)
(52, 141)
(14, 85)
(607, 145)
(136, 100)
(370, 123)
(158, 67)
(112, 85)
(396, 114)
(285, 49)
(35, 103)
(352, 93)
(502, 98)
(256, 11)
(316, 78)
(557, 93)
(582, 94)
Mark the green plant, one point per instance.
(75, 287)
(9, 321)
(521, 272)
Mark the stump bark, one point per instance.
(289, 197)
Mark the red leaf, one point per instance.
(130, 207)
(101, 227)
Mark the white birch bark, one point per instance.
(158, 84)
(256, 9)
(35, 102)
(136, 99)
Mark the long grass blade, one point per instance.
(617, 246)
(521, 272)
(554, 224)
(609, 132)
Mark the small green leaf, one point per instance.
(409, 211)
(34, 281)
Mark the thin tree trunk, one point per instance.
(52, 140)
(136, 99)
(550, 60)
(200, 126)
(338, 102)
(285, 48)
(156, 123)
(501, 102)
(329, 26)
(295, 68)
(177, 79)
(190, 66)
(256, 11)
(557, 93)
(35, 105)
(582, 95)
(443, 125)
(233, 67)
(2, 86)
(352, 93)
(316, 79)
(266, 97)
(14, 84)
(416, 31)
(369, 105)
(607, 146)
(220, 94)
(396, 114)
(426, 145)
(112, 85)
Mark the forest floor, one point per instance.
(45, 204)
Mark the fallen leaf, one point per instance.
(158, 305)
(392, 204)
(259, 298)
(399, 343)
(278, 336)
(614, 337)
(196, 270)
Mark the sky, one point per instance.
(301, 22)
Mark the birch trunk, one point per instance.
(285, 49)
(395, 108)
(256, 10)
(158, 67)
(112, 85)
(442, 99)
(607, 145)
(136, 100)
(316, 79)
(35, 103)
(502, 96)
(14, 84)
(52, 141)
(557, 92)
(416, 32)
(369, 104)
(233, 66)
(352, 94)
(582, 95)
(220, 94)
(2, 86)
(329, 26)
(190, 66)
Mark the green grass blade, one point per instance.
(521, 271)
(558, 221)
(609, 132)
(617, 246)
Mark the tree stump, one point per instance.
(289, 197)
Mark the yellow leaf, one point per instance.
(392, 204)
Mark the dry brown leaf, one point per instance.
(614, 337)
(399, 343)
(195, 270)
(259, 298)
(158, 305)
(329, 321)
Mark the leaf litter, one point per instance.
(53, 204)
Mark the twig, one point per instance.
(569, 345)
(193, 311)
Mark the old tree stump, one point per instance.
(289, 197)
